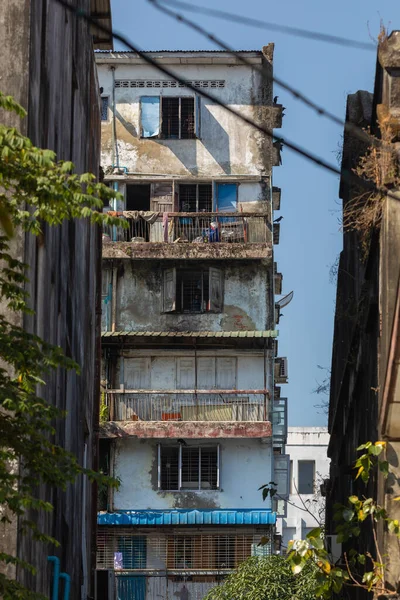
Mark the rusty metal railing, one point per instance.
(187, 405)
(199, 228)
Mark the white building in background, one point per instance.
(309, 466)
(196, 422)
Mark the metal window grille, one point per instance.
(188, 467)
(192, 291)
(177, 118)
(148, 83)
(195, 197)
(180, 552)
(104, 108)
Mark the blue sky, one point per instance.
(310, 232)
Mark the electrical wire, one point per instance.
(200, 91)
(259, 24)
(349, 175)
(346, 125)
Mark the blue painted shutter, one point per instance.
(150, 116)
(227, 197)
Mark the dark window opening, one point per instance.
(138, 198)
(104, 108)
(195, 197)
(192, 291)
(306, 476)
(178, 118)
(187, 118)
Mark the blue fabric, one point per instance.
(150, 116)
(227, 197)
(188, 517)
(131, 587)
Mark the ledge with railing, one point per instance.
(199, 228)
(188, 405)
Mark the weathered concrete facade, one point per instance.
(365, 389)
(48, 66)
(139, 297)
(188, 307)
(309, 467)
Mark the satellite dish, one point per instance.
(285, 300)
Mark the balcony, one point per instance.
(188, 414)
(189, 236)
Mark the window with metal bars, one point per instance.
(188, 467)
(195, 197)
(104, 108)
(178, 118)
(193, 291)
(120, 548)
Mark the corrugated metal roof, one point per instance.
(188, 517)
(198, 334)
(179, 51)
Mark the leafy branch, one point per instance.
(36, 191)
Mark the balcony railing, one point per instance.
(190, 227)
(188, 405)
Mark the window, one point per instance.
(227, 194)
(195, 197)
(193, 291)
(104, 108)
(281, 474)
(170, 117)
(188, 467)
(306, 476)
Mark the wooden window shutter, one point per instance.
(169, 290)
(216, 286)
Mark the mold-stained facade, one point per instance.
(195, 423)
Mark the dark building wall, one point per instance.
(367, 296)
(48, 65)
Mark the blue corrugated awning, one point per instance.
(188, 517)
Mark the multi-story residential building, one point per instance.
(48, 66)
(189, 349)
(309, 468)
(364, 401)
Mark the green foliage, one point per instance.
(362, 570)
(267, 578)
(35, 189)
(104, 412)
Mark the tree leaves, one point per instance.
(35, 188)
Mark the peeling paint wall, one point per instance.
(244, 466)
(226, 146)
(140, 299)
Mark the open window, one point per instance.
(170, 117)
(193, 290)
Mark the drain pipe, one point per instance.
(56, 575)
(67, 585)
(115, 154)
